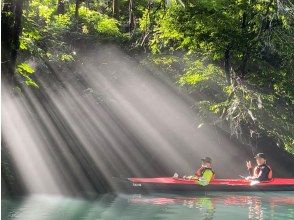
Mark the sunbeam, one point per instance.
(119, 121)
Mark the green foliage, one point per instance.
(44, 31)
(24, 69)
(258, 36)
(198, 72)
(191, 40)
(108, 26)
(66, 57)
(242, 104)
(46, 34)
(235, 106)
(145, 20)
(97, 23)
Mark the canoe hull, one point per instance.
(139, 185)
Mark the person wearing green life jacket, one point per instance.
(204, 174)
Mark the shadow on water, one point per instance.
(274, 205)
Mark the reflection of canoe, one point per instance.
(227, 199)
(170, 184)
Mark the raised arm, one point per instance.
(249, 168)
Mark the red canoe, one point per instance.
(171, 184)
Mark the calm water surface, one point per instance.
(235, 206)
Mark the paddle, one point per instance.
(176, 176)
(252, 182)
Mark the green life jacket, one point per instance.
(207, 175)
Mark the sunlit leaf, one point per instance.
(25, 68)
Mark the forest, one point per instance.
(234, 56)
(232, 60)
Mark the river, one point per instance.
(212, 205)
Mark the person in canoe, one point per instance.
(204, 174)
(262, 172)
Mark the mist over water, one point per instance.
(107, 117)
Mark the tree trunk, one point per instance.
(228, 65)
(78, 2)
(243, 65)
(245, 57)
(60, 7)
(7, 23)
(115, 8)
(131, 17)
(16, 30)
(11, 30)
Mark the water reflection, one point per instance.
(155, 206)
(205, 205)
(256, 205)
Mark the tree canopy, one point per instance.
(234, 56)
